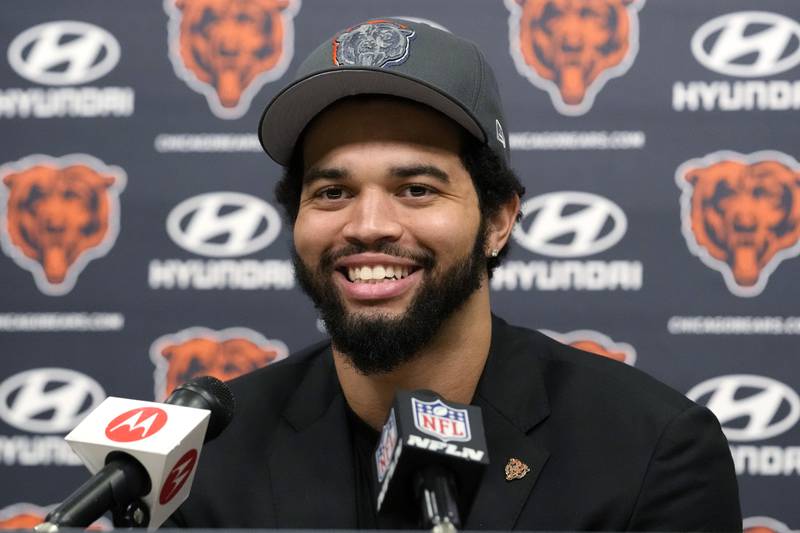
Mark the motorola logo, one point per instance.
(223, 224)
(749, 407)
(136, 424)
(64, 52)
(570, 224)
(48, 400)
(748, 44)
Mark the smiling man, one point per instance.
(401, 199)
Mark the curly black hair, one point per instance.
(495, 183)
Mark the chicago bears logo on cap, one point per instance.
(741, 214)
(59, 214)
(228, 49)
(224, 354)
(570, 48)
(375, 43)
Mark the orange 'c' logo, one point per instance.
(741, 214)
(228, 49)
(570, 48)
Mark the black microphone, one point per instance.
(119, 485)
(431, 451)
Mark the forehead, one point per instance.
(380, 120)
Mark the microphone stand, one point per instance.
(435, 491)
(127, 480)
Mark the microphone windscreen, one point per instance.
(208, 393)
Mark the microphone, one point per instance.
(434, 452)
(143, 455)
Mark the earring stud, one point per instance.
(495, 252)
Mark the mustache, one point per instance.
(423, 257)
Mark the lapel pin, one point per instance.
(516, 469)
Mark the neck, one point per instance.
(450, 365)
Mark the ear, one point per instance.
(693, 175)
(500, 224)
(168, 352)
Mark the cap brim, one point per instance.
(292, 109)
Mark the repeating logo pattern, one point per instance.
(64, 52)
(21, 516)
(227, 50)
(571, 48)
(197, 351)
(223, 224)
(57, 214)
(596, 343)
(748, 44)
(749, 407)
(48, 400)
(741, 214)
(764, 524)
(570, 224)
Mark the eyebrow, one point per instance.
(317, 173)
(407, 171)
(420, 170)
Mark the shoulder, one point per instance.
(261, 398)
(574, 376)
(263, 393)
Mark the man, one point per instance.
(398, 189)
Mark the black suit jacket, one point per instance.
(609, 448)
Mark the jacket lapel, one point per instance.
(311, 468)
(513, 400)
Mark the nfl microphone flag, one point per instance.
(425, 432)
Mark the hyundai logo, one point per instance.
(570, 224)
(223, 224)
(749, 407)
(64, 52)
(48, 400)
(748, 44)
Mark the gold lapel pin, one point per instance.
(516, 469)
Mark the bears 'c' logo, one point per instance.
(228, 49)
(570, 48)
(741, 214)
(58, 214)
(224, 354)
(596, 343)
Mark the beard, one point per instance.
(380, 343)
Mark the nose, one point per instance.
(372, 218)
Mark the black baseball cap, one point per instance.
(396, 57)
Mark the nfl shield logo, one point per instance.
(439, 420)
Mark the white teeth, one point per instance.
(378, 273)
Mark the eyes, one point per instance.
(339, 193)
